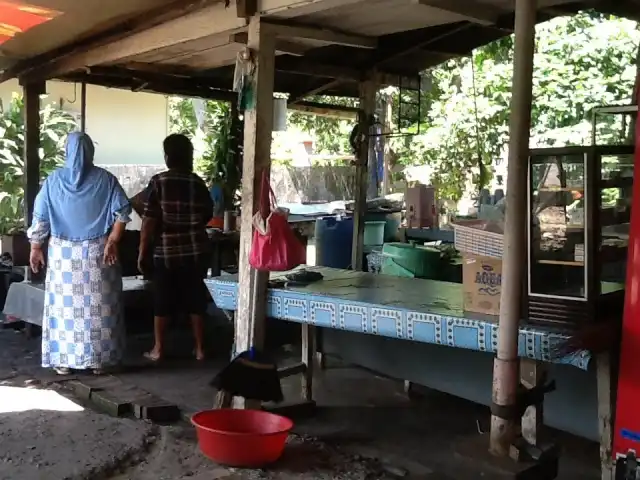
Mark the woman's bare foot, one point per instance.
(153, 356)
(62, 370)
(199, 354)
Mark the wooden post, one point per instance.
(368, 91)
(505, 372)
(606, 408)
(31, 95)
(258, 124)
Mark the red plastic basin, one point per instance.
(241, 438)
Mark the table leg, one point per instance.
(216, 260)
(320, 359)
(605, 414)
(308, 358)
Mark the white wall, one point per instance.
(127, 127)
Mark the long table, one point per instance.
(425, 311)
(416, 330)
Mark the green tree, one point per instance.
(581, 62)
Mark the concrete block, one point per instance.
(474, 452)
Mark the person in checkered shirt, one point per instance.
(177, 210)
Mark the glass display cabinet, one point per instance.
(579, 206)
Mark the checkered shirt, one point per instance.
(181, 204)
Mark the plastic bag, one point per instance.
(274, 248)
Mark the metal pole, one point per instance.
(83, 107)
(514, 269)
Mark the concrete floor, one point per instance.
(365, 428)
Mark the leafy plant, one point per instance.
(221, 163)
(217, 137)
(55, 125)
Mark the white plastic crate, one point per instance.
(470, 238)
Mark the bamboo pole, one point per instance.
(506, 364)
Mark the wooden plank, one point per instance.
(532, 374)
(322, 110)
(31, 154)
(484, 14)
(282, 46)
(606, 410)
(368, 91)
(258, 126)
(308, 358)
(328, 35)
(289, 9)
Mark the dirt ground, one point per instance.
(365, 428)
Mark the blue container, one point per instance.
(333, 239)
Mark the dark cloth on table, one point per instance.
(182, 206)
(180, 289)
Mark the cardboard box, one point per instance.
(482, 284)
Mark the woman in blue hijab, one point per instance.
(82, 211)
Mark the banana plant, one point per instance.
(55, 125)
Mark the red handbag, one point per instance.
(275, 248)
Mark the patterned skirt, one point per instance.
(82, 325)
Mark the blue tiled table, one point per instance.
(417, 310)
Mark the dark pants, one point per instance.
(179, 289)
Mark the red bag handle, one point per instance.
(267, 197)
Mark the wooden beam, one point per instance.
(258, 126)
(282, 46)
(108, 34)
(158, 29)
(246, 8)
(202, 23)
(115, 77)
(345, 74)
(315, 91)
(368, 92)
(320, 34)
(484, 14)
(315, 69)
(325, 110)
(289, 9)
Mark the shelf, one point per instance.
(623, 182)
(561, 262)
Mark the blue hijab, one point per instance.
(80, 200)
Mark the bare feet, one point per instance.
(154, 355)
(62, 370)
(199, 355)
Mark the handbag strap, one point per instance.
(267, 196)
